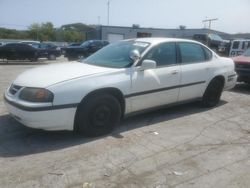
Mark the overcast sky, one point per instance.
(233, 15)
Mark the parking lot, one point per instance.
(182, 146)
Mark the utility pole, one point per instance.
(37, 33)
(209, 21)
(108, 11)
(99, 22)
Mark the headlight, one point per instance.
(36, 95)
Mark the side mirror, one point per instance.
(135, 55)
(147, 64)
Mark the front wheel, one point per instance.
(34, 59)
(71, 58)
(98, 115)
(213, 93)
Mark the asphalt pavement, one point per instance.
(183, 146)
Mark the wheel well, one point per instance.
(221, 78)
(111, 91)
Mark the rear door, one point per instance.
(195, 70)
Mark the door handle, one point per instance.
(175, 72)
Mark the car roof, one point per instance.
(156, 40)
(240, 40)
(29, 41)
(95, 40)
(17, 43)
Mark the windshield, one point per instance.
(86, 43)
(116, 55)
(35, 45)
(215, 37)
(247, 52)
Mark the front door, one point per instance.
(158, 86)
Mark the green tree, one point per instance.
(42, 32)
(76, 32)
(34, 31)
(47, 32)
(73, 36)
(13, 34)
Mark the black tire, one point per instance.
(34, 59)
(247, 82)
(52, 57)
(80, 57)
(213, 93)
(72, 58)
(98, 115)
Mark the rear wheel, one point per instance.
(213, 93)
(98, 115)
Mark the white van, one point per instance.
(238, 47)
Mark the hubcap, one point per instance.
(101, 116)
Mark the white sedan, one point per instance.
(123, 78)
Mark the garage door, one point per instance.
(115, 37)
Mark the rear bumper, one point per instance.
(54, 119)
(231, 81)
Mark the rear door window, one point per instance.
(191, 53)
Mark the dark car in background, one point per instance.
(85, 49)
(30, 42)
(242, 66)
(213, 41)
(19, 51)
(48, 50)
(63, 49)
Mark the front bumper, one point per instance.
(46, 118)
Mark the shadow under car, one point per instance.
(18, 140)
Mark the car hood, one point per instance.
(241, 59)
(48, 75)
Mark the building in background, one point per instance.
(116, 33)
